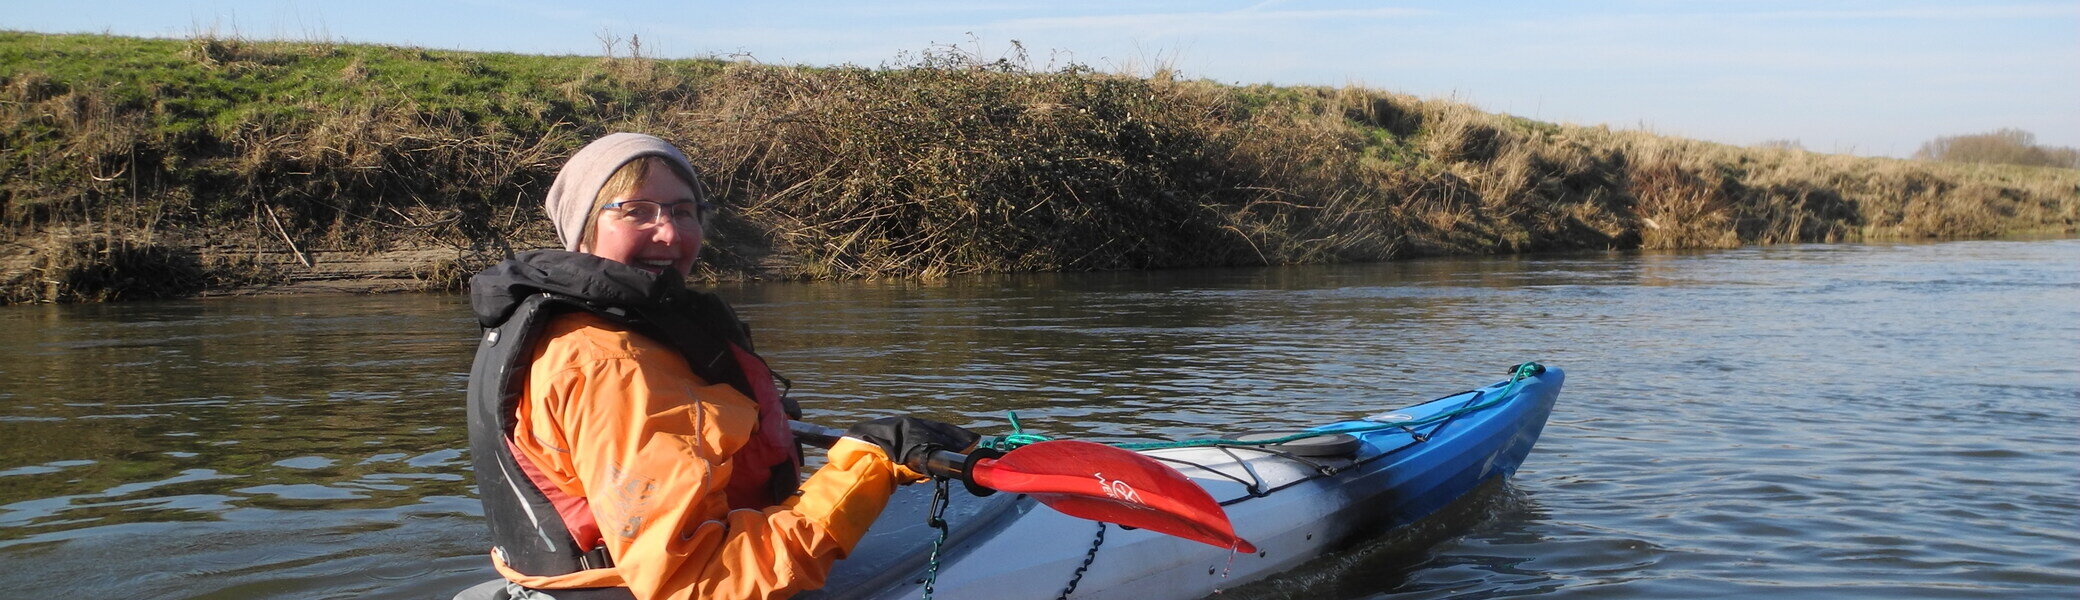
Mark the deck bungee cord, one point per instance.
(1518, 374)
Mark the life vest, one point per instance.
(535, 528)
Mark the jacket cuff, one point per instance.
(848, 493)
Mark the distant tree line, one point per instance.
(2007, 146)
(1782, 145)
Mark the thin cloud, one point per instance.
(886, 10)
(1248, 15)
(1263, 5)
(551, 12)
(2013, 11)
(1944, 12)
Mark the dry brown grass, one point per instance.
(945, 164)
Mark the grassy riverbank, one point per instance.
(141, 168)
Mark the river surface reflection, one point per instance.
(1879, 421)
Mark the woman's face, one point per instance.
(652, 244)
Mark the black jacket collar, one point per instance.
(605, 283)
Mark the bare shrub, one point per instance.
(100, 267)
(1679, 208)
(2005, 146)
(930, 170)
(1459, 133)
(1972, 211)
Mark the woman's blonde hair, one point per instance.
(625, 178)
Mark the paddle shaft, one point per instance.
(940, 463)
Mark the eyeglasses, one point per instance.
(647, 215)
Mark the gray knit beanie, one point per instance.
(577, 186)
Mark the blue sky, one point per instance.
(1869, 77)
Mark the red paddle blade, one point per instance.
(1103, 483)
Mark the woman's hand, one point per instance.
(905, 439)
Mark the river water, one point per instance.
(1820, 421)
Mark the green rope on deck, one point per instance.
(1018, 437)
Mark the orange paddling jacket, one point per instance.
(627, 442)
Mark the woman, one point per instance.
(626, 440)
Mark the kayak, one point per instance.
(1294, 501)
(1313, 491)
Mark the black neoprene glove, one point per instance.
(906, 438)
